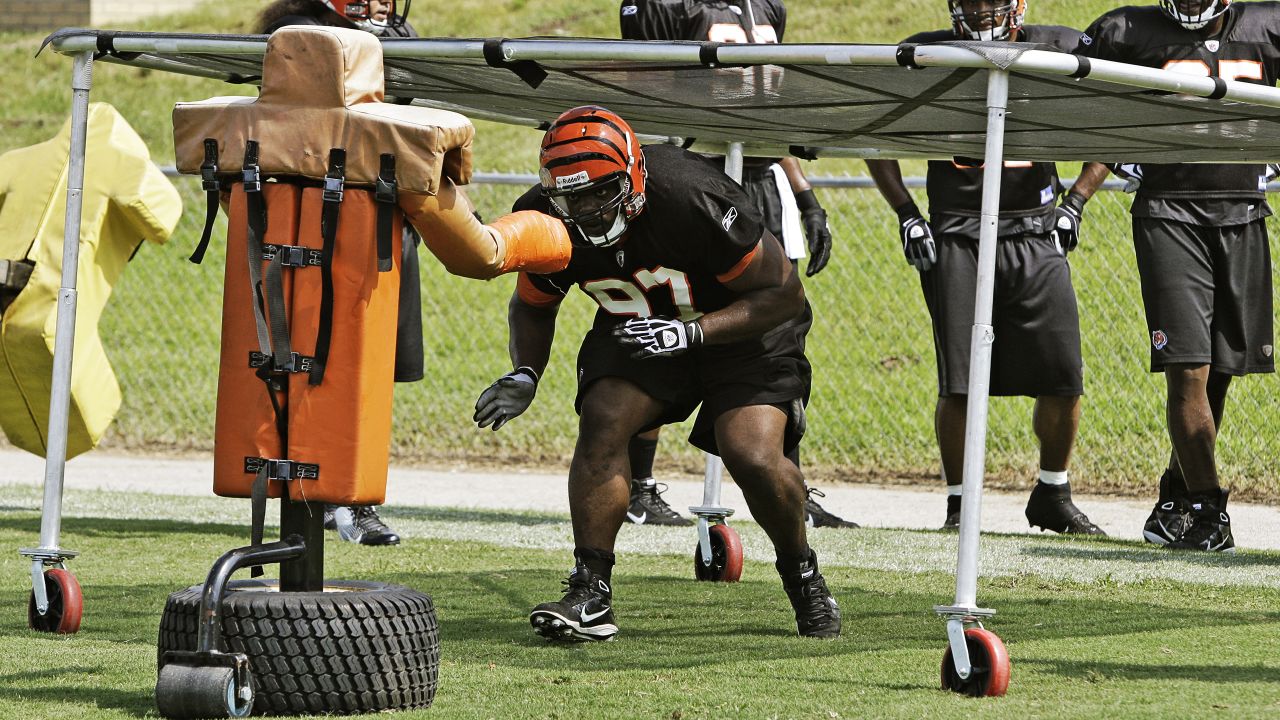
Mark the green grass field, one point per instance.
(871, 416)
(1094, 628)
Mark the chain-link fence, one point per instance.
(871, 417)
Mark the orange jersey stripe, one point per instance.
(733, 272)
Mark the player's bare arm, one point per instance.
(769, 295)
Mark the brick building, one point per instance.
(49, 15)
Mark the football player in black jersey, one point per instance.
(694, 297)
(777, 187)
(1037, 329)
(1201, 245)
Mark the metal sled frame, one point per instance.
(1256, 142)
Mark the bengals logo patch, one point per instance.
(1159, 339)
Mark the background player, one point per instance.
(1037, 328)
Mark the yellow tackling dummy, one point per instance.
(126, 200)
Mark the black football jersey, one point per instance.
(698, 20)
(1247, 49)
(697, 231)
(1027, 189)
(707, 20)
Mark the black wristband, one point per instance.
(1075, 201)
(907, 211)
(806, 200)
(693, 333)
(526, 370)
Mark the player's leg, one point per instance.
(751, 441)
(1037, 354)
(646, 505)
(612, 411)
(1176, 264)
(949, 288)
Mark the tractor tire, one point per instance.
(355, 647)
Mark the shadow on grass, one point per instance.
(429, 514)
(1159, 669)
(117, 528)
(1136, 552)
(28, 686)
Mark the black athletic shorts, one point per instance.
(1034, 317)
(1207, 294)
(770, 371)
(762, 188)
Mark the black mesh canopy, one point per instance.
(852, 100)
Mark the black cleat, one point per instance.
(584, 613)
(648, 508)
(1171, 516)
(1210, 527)
(817, 613)
(952, 523)
(365, 526)
(1050, 508)
(816, 516)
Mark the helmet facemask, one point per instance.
(599, 209)
(986, 20)
(592, 172)
(1194, 14)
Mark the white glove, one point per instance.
(508, 397)
(658, 337)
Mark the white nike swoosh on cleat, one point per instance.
(638, 519)
(588, 617)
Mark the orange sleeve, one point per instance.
(732, 273)
(531, 295)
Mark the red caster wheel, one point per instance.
(66, 604)
(989, 676)
(726, 556)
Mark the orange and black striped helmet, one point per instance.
(592, 151)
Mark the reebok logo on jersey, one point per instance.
(1159, 339)
(1085, 39)
(629, 10)
(1267, 350)
(578, 178)
(729, 217)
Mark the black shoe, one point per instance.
(816, 516)
(584, 613)
(1050, 508)
(366, 527)
(952, 523)
(648, 508)
(817, 613)
(1210, 526)
(329, 522)
(1171, 516)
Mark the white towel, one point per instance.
(793, 241)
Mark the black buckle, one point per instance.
(296, 363)
(294, 255)
(282, 469)
(252, 179)
(384, 192)
(332, 189)
(209, 170)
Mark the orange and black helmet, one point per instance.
(592, 150)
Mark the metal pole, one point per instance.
(980, 352)
(65, 335)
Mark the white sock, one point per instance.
(955, 489)
(1048, 477)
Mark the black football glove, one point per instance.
(508, 397)
(816, 231)
(917, 237)
(1066, 221)
(658, 337)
